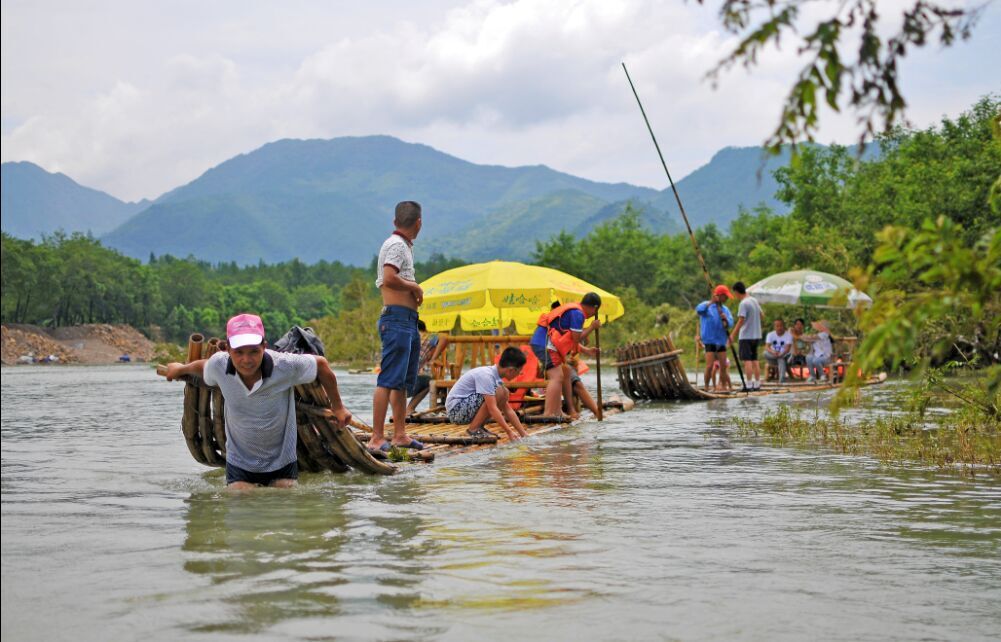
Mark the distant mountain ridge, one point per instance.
(333, 199)
(734, 177)
(36, 203)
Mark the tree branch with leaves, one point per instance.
(866, 82)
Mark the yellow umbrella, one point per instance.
(489, 296)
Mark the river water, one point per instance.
(658, 524)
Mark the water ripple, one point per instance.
(656, 524)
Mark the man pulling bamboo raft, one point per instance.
(264, 437)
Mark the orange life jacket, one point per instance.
(563, 341)
(516, 397)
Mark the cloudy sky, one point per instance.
(136, 98)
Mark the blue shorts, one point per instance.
(401, 348)
(237, 474)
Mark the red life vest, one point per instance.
(562, 340)
(530, 372)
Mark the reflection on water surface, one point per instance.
(656, 524)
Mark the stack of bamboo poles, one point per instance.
(653, 370)
(322, 444)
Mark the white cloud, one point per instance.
(522, 82)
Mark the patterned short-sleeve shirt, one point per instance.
(396, 251)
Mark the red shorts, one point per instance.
(548, 358)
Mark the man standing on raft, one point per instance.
(748, 332)
(260, 407)
(401, 340)
(561, 333)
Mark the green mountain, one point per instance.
(511, 230)
(37, 202)
(333, 199)
(735, 177)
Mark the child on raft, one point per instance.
(480, 393)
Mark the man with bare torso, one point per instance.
(401, 341)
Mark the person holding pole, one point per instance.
(560, 333)
(401, 340)
(577, 384)
(257, 385)
(681, 207)
(714, 319)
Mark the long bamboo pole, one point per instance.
(688, 226)
(597, 345)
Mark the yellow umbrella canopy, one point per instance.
(489, 296)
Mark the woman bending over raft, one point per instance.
(480, 393)
(260, 407)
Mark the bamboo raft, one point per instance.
(652, 370)
(322, 444)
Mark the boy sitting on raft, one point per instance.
(260, 407)
(480, 393)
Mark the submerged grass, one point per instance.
(966, 440)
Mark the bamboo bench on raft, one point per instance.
(481, 350)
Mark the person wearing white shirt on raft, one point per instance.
(778, 348)
(821, 353)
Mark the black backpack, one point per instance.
(299, 341)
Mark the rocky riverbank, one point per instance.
(83, 344)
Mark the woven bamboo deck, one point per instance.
(443, 439)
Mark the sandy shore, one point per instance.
(83, 344)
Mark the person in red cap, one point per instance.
(257, 385)
(714, 321)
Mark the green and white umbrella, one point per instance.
(807, 287)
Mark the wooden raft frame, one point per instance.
(322, 445)
(652, 370)
(482, 350)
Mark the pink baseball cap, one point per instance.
(244, 330)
